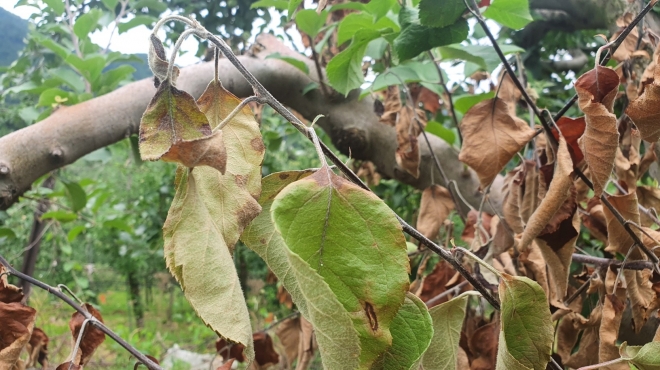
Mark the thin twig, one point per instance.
(289, 316)
(447, 292)
(604, 262)
(452, 110)
(319, 71)
(238, 108)
(120, 15)
(56, 292)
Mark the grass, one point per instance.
(162, 328)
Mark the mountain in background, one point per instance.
(13, 29)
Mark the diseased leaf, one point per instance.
(171, 117)
(643, 110)
(91, 339)
(207, 151)
(447, 323)
(438, 281)
(572, 129)
(527, 331)
(17, 322)
(554, 198)
(157, 59)
(629, 44)
(407, 130)
(412, 330)
(9, 293)
(38, 348)
(596, 92)
(368, 272)
(483, 345)
(207, 216)
(434, 208)
(609, 330)
(337, 339)
(264, 353)
(491, 137)
(648, 197)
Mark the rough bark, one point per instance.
(72, 132)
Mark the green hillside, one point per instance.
(13, 29)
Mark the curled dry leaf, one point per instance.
(264, 353)
(529, 197)
(596, 92)
(491, 137)
(92, 337)
(17, 321)
(612, 313)
(207, 151)
(407, 130)
(644, 110)
(649, 197)
(434, 208)
(508, 91)
(512, 196)
(629, 45)
(38, 348)
(483, 346)
(556, 196)
(9, 293)
(572, 129)
(587, 353)
(594, 219)
(437, 282)
(368, 173)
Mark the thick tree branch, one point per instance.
(72, 132)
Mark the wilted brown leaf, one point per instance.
(207, 151)
(16, 323)
(227, 365)
(437, 282)
(535, 266)
(68, 366)
(92, 337)
(649, 197)
(264, 353)
(407, 130)
(284, 297)
(513, 182)
(391, 106)
(567, 336)
(508, 92)
(483, 346)
(629, 44)
(434, 208)
(572, 129)
(587, 353)
(612, 313)
(470, 230)
(557, 194)
(368, 173)
(596, 92)
(594, 219)
(229, 350)
(491, 137)
(430, 101)
(8, 293)
(619, 241)
(529, 195)
(644, 110)
(38, 348)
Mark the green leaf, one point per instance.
(62, 216)
(74, 232)
(139, 20)
(412, 330)
(110, 4)
(407, 72)
(53, 46)
(355, 22)
(527, 332)
(437, 129)
(208, 214)
(309, 87)
(440, 13)
(510, 13)
(348, 5)
(310, 22)
(293, 5)
(293, 61)
(7, 233)
(337, 339)
(171, 116)
(68, 77)
(416, 38)
(76, 195)
(56, 5)
(112, 78)
(465, 102)
(379, 8)
(86, 23)
(345, 69)
(646, 357)
(90, 67)
(482, 55)
(354, 241)
(119, 225)
(447, 323)
(277, 4)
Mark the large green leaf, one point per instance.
(510, 13)
(440, 13)
(337, 339)
(646, 357)
(354, 22)
(76, 195)
(209, 212)
(416, 38)
(87, 22)
(447, 323)
(527, 331)
(465, 102)
(293, 61)
(293, 5)
(482, 55)
(412, 330)
(354, 241)
(378, 8)
(311, 22)
(345, 69)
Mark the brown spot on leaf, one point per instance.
(241, 181)
(284, 176)
(371, 315)
(257, 144)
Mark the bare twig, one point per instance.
(92, 320)
(319, 71)
(452, 110)
(604, 262)
(447, 292)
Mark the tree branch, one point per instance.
(72, 132)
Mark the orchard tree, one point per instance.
(545, 225)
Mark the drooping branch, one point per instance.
(72, 132)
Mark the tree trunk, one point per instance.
(136, 299)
